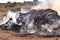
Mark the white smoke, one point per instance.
(43, 4)
(56, 6)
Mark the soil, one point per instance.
(9, 35)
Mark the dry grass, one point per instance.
(2, 14)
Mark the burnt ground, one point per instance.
(10, 35)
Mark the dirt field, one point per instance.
(9, 35)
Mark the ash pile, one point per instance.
(44, 22)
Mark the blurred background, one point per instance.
(5, 5)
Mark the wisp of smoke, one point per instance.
(43, 4)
